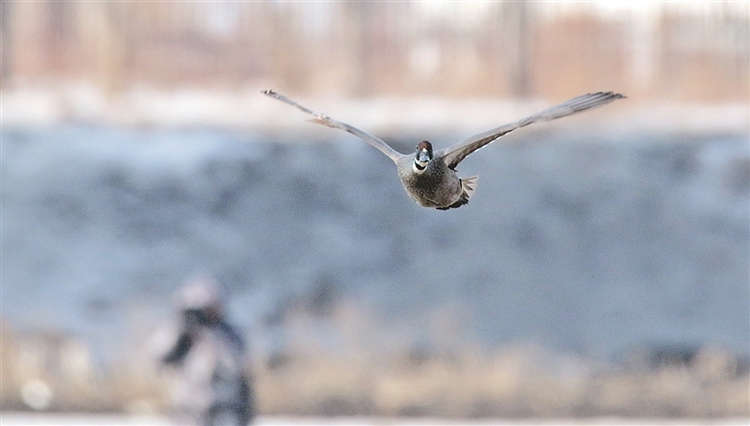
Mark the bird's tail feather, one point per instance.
(469, 185)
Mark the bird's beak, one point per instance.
(423, 156)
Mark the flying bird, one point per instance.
(429, 177)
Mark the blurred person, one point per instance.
(209, 357)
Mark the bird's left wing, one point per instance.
(328, 121)
(453, 155)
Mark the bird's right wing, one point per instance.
(453, 155)
(328, 121)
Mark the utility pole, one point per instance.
(519, 35)
(6, 52)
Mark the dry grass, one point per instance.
(513, 382)
(33, 365)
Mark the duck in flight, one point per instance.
(429, 177)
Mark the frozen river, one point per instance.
(587, 244)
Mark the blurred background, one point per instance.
(602, 269)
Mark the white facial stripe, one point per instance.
(419, 166)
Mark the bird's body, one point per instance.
(437, 186)
(430, 177)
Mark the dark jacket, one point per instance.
(210, 357)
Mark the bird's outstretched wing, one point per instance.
(328, 121)
(453, 155)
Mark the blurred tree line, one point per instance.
(677, 51)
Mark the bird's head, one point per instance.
(423, 156)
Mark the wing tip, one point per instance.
(610, 94)
(615, 95)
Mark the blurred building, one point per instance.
(680, 51)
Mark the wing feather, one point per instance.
(328, 121)
(453, 154)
